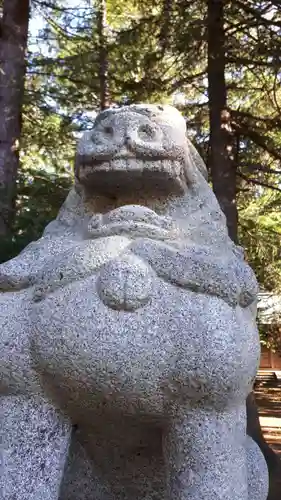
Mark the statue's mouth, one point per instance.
(123, 175)
(135, 221)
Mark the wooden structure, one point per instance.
(269, 360)
(269, 312)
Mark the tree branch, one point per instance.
(53, 6)
(250, 62)
(258, 183)
(258, 14)
(256, 138)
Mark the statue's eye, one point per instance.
(108, 130)
(146, 131)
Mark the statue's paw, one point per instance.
(76, 263)
(200, 269)
(125, 283)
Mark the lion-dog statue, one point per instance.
(128, 335)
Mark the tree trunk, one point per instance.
(103, 55)
(221, 161)
(13, 43)
(223, 168)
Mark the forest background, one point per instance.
(218, 61)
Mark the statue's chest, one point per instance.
(178, 344)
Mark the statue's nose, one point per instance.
(143, 133)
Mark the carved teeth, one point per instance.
(118, 176)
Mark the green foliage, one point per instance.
(260, 229)
(270, 335)
(40, 195)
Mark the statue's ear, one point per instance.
(198, 161)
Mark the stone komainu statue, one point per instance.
(128, 337)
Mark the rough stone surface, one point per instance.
(128, 336)
(34, 440)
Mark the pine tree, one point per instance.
(13, 44)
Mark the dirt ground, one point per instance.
(269, 403)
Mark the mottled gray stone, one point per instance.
(128, 336)
(257, 471)
(34, 443)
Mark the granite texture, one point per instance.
(128, 336)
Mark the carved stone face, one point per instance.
(139, 147)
